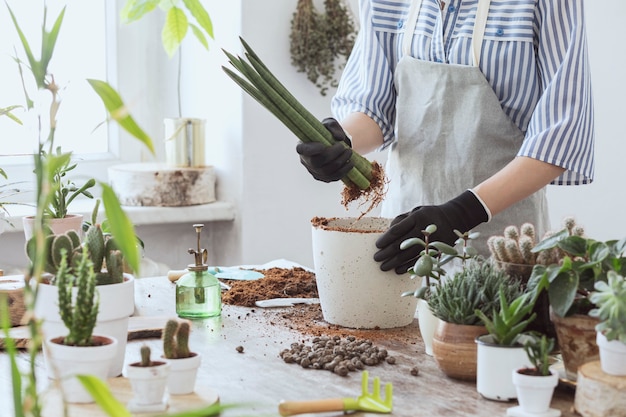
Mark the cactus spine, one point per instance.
(176, 339)
(79, 316)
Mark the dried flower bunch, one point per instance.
(320, 43)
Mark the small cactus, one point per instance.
(176, 339)
(145, 356)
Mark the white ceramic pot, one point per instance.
(65, 362)
(494, 366)
(427, 322)
(183, 371)
(534, 393)
(117, 304)
(149, 385)
(612, 355)
(353, 291)
(58, 226)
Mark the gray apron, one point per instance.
(452, 134)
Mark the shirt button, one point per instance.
(499, 32)
(400, 24)
(451, 8)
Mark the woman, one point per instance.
(481, 105)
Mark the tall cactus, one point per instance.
(79, 316)
(176, 339)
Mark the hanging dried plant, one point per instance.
(320, 43)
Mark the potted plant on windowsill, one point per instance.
(79, 351)
(535, 385)
(184, 364)
(184, 136)
(501, 351)
(609, 299)
(570, 282)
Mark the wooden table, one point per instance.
(259, 378)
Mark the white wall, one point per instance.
(277, 197)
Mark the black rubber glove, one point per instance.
(462, 213)
(327, 163)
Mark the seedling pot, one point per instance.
(353, 291)
(149, 385)
(612, 355)
(534, 393)
(183, 372)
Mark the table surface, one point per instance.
(260, 379)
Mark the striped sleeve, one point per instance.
(560, 131)
(367, 80)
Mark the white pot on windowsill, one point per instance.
(58, 226)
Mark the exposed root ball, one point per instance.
(372, 196)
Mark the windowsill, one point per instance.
(140, 215)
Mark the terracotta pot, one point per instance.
(353, 291)
(577, 340)
(117, 304)
(454, 349)
(65, 362)
(58, 226)
(534, 393)
(183, 371)
(612, 355)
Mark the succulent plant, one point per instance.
(107, 259)
(176, 339)
(538, 350)
(610, 301)
(476, 287)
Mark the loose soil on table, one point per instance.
(303, 318)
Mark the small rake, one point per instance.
(365, 402)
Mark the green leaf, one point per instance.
(101, 393)
(562, 292)
(49, 40)
(174, 30)
(199, 35)
(574, 245)
(411, 242)
(119, 112)
(551, 241)
(6, 111)
(135, 9)
(35, 66)
(121, 227)
(201, 15)
(10, 348)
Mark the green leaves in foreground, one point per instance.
(101, 393)
(119, 112)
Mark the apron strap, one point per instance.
(409, 28)
(480, 23)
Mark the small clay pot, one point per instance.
(454, 349)
(577, 340)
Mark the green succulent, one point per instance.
(538, 350)
(610, 301)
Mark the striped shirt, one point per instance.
(534, 56)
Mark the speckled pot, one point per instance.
(353, 291)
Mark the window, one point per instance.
(80, 53)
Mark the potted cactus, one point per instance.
(184, 364)
(116, 288)
(148, 380)
(79, 351)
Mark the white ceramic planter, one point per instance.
(58, 226)
(353, 291)
(182, 378)
(149, 386)
(427, 322)
(117, 304)
(534, 394)
(612, 355)
(65, 362)
(494, 366)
